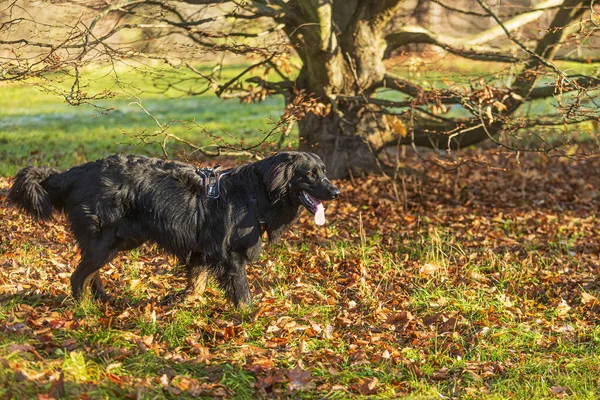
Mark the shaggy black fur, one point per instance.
(120, 202)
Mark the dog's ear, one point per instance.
(278, 175)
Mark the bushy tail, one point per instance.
(28, 193)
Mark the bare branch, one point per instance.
(512, 23)
(479, 14)
(228, 84)
(575, 83)
(204, 2)
(460, 47)
(407, 87)
(263, 8)
(284, 87)
(449, 136)
(546, 48)
(471, 46)
(506, 30)
(211, 19)
(579, 60)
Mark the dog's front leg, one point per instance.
(98, 288)
(237, 288)
(197, 279)
(234, 282)
(94, 255)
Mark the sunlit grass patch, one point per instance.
(240, 382)
(56, 134)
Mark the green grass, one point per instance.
(40, 128)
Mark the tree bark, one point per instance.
(341, 147)
(348, 137)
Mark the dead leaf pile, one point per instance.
(409, 281)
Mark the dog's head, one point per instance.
(300, 178)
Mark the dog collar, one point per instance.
(262, 222)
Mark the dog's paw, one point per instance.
(244, 303)
(194, 299)
(103, 297)
(173, 298)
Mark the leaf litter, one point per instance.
(389, 294)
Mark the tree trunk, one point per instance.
(338, 73)
(341, 141)
(348, 138)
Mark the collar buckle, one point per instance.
(211, 180)
(262, 222)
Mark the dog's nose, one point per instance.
(335, 193)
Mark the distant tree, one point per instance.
(342, 95)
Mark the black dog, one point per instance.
(120, 202)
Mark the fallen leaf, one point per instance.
(57, 388)
(366, 386)
(164, 380)
(20, 376)
(440, 374)
(588, 300)
(299, 379)
(19, 348)
(112, 366)
(559, 391)
(563, 308)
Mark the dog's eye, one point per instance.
(310, 174)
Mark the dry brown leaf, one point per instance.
(299, 378)
(396, 125)
(559, 391)
(366, 386)
(588, 300)
(440, 374)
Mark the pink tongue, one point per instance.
(320, 215)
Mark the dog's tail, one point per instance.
(29, 194)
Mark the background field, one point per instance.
(40, 128)
(429, 286)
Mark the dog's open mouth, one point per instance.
(315, 206)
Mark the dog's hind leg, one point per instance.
(96, 282)
(96, 253)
